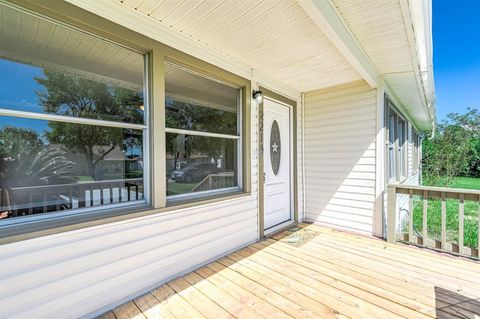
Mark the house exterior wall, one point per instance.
(340, 130)
(81, 273)
(86, 271)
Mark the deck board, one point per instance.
(317, 272)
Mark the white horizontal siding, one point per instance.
(340, 129)
(90, 270)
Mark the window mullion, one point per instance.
(200, 133)
(69, 119)
(157, 129)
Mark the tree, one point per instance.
(76, 96)
(26, 161)
(455, 150)
(190, 116)
(470, 121)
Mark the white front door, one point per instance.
(276, 163)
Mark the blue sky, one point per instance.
(456, 55)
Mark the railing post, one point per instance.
(392, 214)
(461, 217)
(478, 229)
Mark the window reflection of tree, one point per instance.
(28, 159)
(189, 116)
(75, 96)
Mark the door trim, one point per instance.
(293, 159)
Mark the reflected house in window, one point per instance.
(114, 165)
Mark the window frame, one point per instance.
(398, 163)
(144, 128)
(156, 54)
(172, 200)
(402, 135)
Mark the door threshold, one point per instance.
(278, 228)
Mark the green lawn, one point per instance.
(466, 182)
(180, 188)
(434, 215)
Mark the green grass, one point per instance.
(434, 215)
(84, 178)
(466, 182)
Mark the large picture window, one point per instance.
(72, 119)
(203, 135)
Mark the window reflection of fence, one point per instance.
(21, 201)
(216, 181)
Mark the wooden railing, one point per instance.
(216, 181)
(21, 201)
(410, 234)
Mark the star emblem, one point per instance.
(275, 147)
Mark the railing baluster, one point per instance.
(410, 215)
(461, 211)
(136, 191)
(425, 218)
(128, 191)
(91, 195)
(444, 222)
(81, 196)
(70, 198)
(478, 229)
(101, 195)
(30, 203)
(45, 200)
(111, 194)
(57, 202)
(120, 193)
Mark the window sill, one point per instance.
(194, 198)
(29, 229)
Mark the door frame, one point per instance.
(293, 163)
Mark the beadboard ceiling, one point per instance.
(381, 30)
(275, 37)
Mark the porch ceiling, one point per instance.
(276, 38)
(382, 30)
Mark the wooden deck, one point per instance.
(315, 272)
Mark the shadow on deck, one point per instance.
(316, 272)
